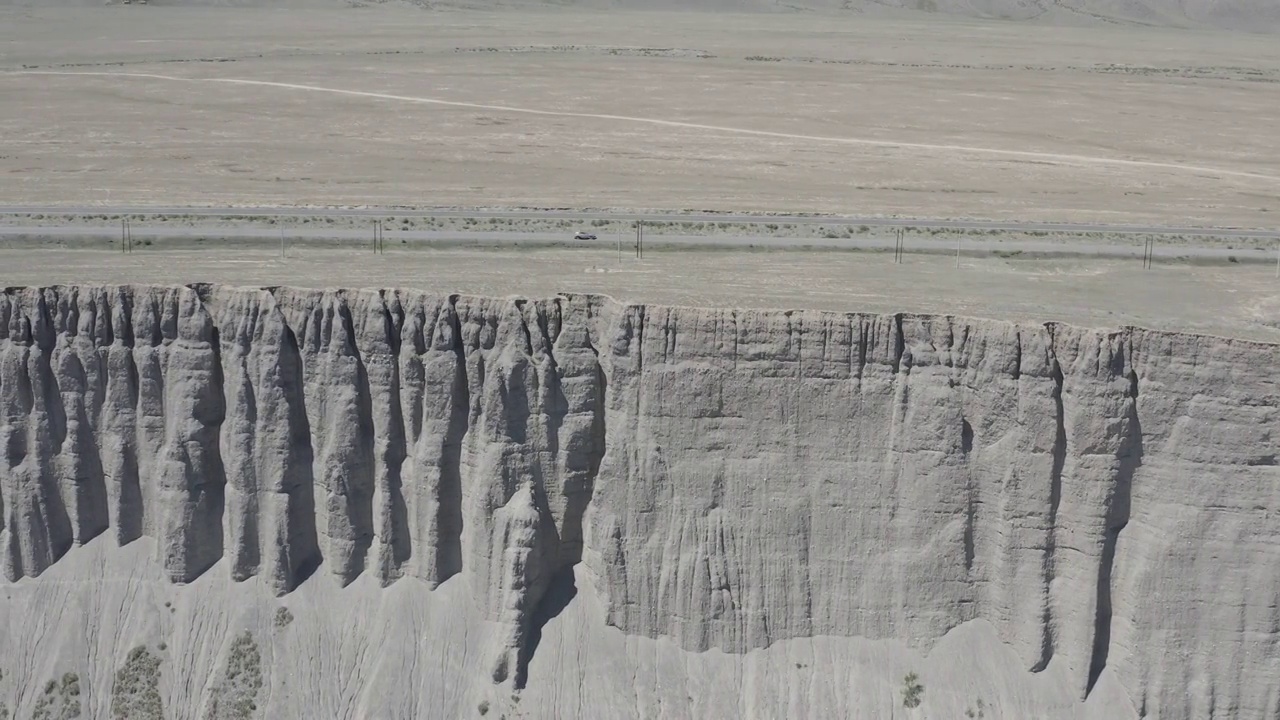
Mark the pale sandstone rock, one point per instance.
(730, 480)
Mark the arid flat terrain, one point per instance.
(796, 112)
(680, 500)
(1237, 300)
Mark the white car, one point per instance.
(580, 235)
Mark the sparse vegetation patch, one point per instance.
(59, 701)
(136, 693)
(236, 696)
(912, 691)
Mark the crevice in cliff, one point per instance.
(971, 501)
(57, 533)
(1059, 460)
(560, 591)
(639, 321)
(359, 494)
(126, 481)
(1017, 355)
(302, 553)
(77, 466)
(88, 482)
(899, 343)
(560, 587)
(1118, 508)
(524, 326)
(242, 506)
(208, 496)
(398, 542)
(449, 508)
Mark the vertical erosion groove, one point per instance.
(100, 429)
(359, 479)
(966, 447)
(120, 424)
(392, 448)
(301, 551)
(6, 437)
(1055, 499)
(344, 435)
(1118, 508)
(59, 532)
(577, 457)
(190, 477)
(240, 442)
(78, 365)
(449, 505)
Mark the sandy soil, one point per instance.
(1240, 300)
(795, 112)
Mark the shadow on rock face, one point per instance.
(562, 590)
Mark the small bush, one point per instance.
(235, 697)
(912, 691)
(483, 707)
(60, 701)
(136, 693)
(282, 618)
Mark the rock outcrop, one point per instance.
(1106, 499)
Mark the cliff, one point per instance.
(727, 479)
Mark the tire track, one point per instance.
(1055, 158)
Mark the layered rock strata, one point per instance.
(1107, 499)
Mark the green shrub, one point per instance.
(136, 693)
(235, 697)
(912, 691)
(60, 700)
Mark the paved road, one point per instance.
(586, 216)
(362, 238)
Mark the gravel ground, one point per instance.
(1232, 299)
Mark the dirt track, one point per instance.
(1235, 300)
(569, 109)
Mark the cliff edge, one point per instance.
(725, 480)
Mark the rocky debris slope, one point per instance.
(729, 479)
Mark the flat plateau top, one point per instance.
(779, 112)
(1234, 300)
(788, 112)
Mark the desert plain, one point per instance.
(251, 477)
(928, 116)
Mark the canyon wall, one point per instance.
(730, 479)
